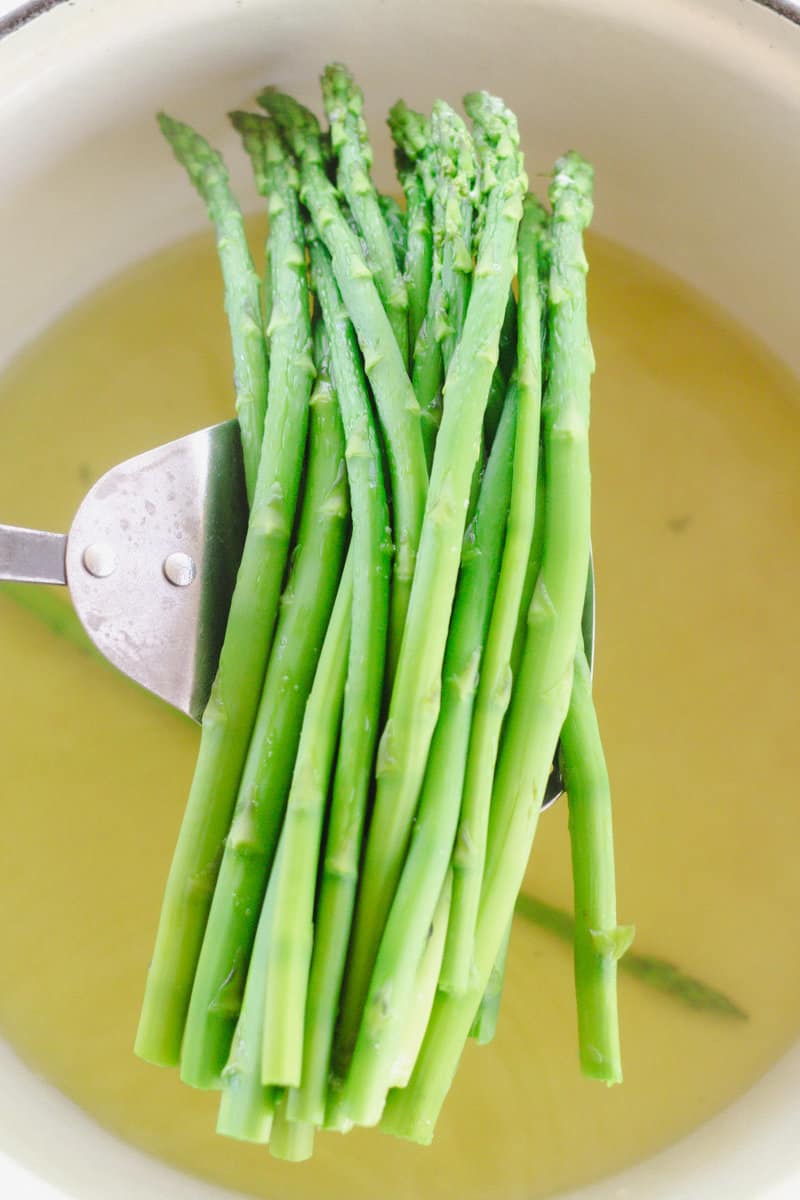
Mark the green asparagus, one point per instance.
(414, 705)
(371, 555)
(246, 1107)
(599, 941)
(422, 879)
(541, 696)
(419, 244)
(293, 914)
(363, 886)
(395, 220)
(494, 690)
(415, 148)
(242, 299)
(231, 709)
(383, 363)
(305, 609)
(344, 104)
(455, 188)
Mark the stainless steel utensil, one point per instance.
(151, 560)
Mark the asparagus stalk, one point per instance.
(247, 1108)
(419, 244)
(293, 1141)
(305, 610)
(506, 362)
(291, 928)
(541, 693)
(412, 135)
(242, 298)
(494, 689)
(456, 167)
(371, 553)
(416, 171)
(385, 368)
(344, 105)
(389, 997)
(423, 992)
(414, 705)
(599, 942)
(484, 1025)
(395, 220)
(486, 1017)
(231, 710)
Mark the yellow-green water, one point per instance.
(696, 439)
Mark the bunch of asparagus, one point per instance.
(403, 649)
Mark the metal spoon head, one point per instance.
(151, 562)
(555, 784)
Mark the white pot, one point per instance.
(691, 113)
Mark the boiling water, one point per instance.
(696, 440)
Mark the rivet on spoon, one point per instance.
(179, 569)
(100, 560)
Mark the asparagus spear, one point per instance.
(246, 1107)
(402, 941)
(414, 705)
(231, 710)
(455, 185)
(412, 134)
(344, 104)
(423, 992)
(395, 220)
(290, 1140)
(506, 362)
(484, 1025)
(494, 689)
(541, 693)
(397, 406)
(419, 244)
(292, 917)
(305, 610)
(242, 302)
(599, 942)
(372, 553)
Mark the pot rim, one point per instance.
(23, 14)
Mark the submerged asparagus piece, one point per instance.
(656, 972)
(231, 710)
(541, 696)
(494, 689)
(407, 927)
(371, 557)
(344, 104)
(305, 609)
(383, 363)
(414, 705)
